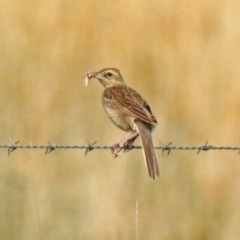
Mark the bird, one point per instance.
(130, 112)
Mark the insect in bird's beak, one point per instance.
(93, 75)
(88, 77)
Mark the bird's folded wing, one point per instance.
(128, 101)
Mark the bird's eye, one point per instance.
(108, 74)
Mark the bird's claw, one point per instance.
(128, 145)
(115, 149)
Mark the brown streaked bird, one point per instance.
(130, 112)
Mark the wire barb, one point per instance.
(205, 147)
(12, 146)
(50, 148)
(90, 147)
(166, 148)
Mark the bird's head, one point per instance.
(107, 77)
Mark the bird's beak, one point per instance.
(92, 75)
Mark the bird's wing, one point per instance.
(128, 101)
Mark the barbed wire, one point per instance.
(91, 146)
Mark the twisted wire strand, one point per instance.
(204, 148)
(91, 146)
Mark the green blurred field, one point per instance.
(182, 56)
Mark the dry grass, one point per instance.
(183, 56)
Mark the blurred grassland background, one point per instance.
(182, 56)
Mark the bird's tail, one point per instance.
(148, 148)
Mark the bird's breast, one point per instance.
(120, 119)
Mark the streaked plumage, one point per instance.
(128, 101)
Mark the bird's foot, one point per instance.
(115, 149)
(128, 145)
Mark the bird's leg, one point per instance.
(128, 145)
(124, 143)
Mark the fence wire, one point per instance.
(92, 146)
